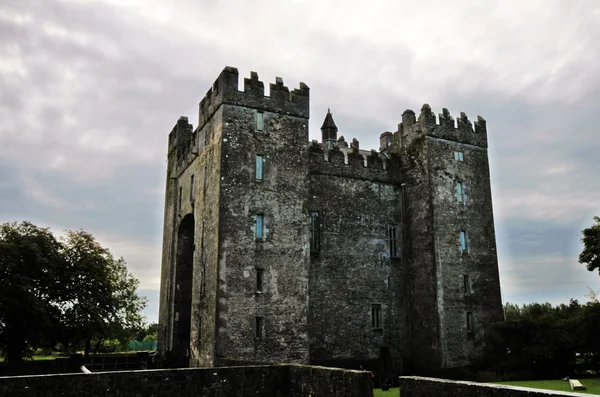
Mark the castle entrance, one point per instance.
(184, 266)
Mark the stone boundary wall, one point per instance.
(267, 380)
(416, 386)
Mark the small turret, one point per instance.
(329, 129)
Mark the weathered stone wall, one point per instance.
(414, 386)
(353, 269)
(268, 381)
(197, 156)
(447, 283)
(282, 252)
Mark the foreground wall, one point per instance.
(414, 386)
(268, 381)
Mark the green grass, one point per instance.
(388, 393)
(35, 358)
(592, 385)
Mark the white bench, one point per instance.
(576, 385)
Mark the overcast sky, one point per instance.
(89, 91)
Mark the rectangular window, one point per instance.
(460, 190)
(192, 187)
(376, 322)
(180, 202)
(259, 328)
(259, 279)
(458, 156)
(315, 232)
(259, 227)
(469, 322)
(393, 239)
(466, 284)
(260, 121)
(463, 241)
(259, 167)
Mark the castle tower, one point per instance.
(329, 130)
(454, 286)
(229, 284)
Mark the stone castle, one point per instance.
(277, 249)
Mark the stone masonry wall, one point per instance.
(448, 283)
(267, 381)
(413, 386)
(281, 254)
(353, 268)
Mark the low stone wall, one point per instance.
(267, 380)
(415, 386)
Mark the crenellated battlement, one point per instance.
(463, 131)
(281, 100)
(181, 136)
(352, 162)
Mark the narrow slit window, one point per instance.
(180, 203)
(466, 284)
(259, 328)
(460, 192)
(192, 187)
(458, 156)
(260, 121)
(259, 279)
(376, 322)
(463, 241)
(469, 321)
(204, 180)
(393, 240)
(315, 232)
(259, 227)
(259, 167)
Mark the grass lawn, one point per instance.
(35, 358)
(592, 385)
(388, 393)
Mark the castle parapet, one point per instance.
(181, 134)
(281, 100)
(463, 131)
(358, 164)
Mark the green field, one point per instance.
(592, 385)
(388, 393)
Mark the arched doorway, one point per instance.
(184, 266)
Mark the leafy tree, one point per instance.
(33, 279)
(71, 291)
(104, 303)
(590, 256)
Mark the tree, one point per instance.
(32, 278)
(590, 256)
(104, 303)
(71, 291)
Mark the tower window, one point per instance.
(259, 227)
(259, 279)
(460, 192)
(180, 203)
(459, 156)
(393, 240)
(192, 187)
(466, 284)
(260, 121)
(376, 322)
(463, 241)
(469, 322)
(315, 232)
(259, 167)
(259, 328)
(388, 141)
(204, 180)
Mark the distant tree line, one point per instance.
(539, 340)
(542, 340)
(68, 293)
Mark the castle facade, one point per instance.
(277, 249)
